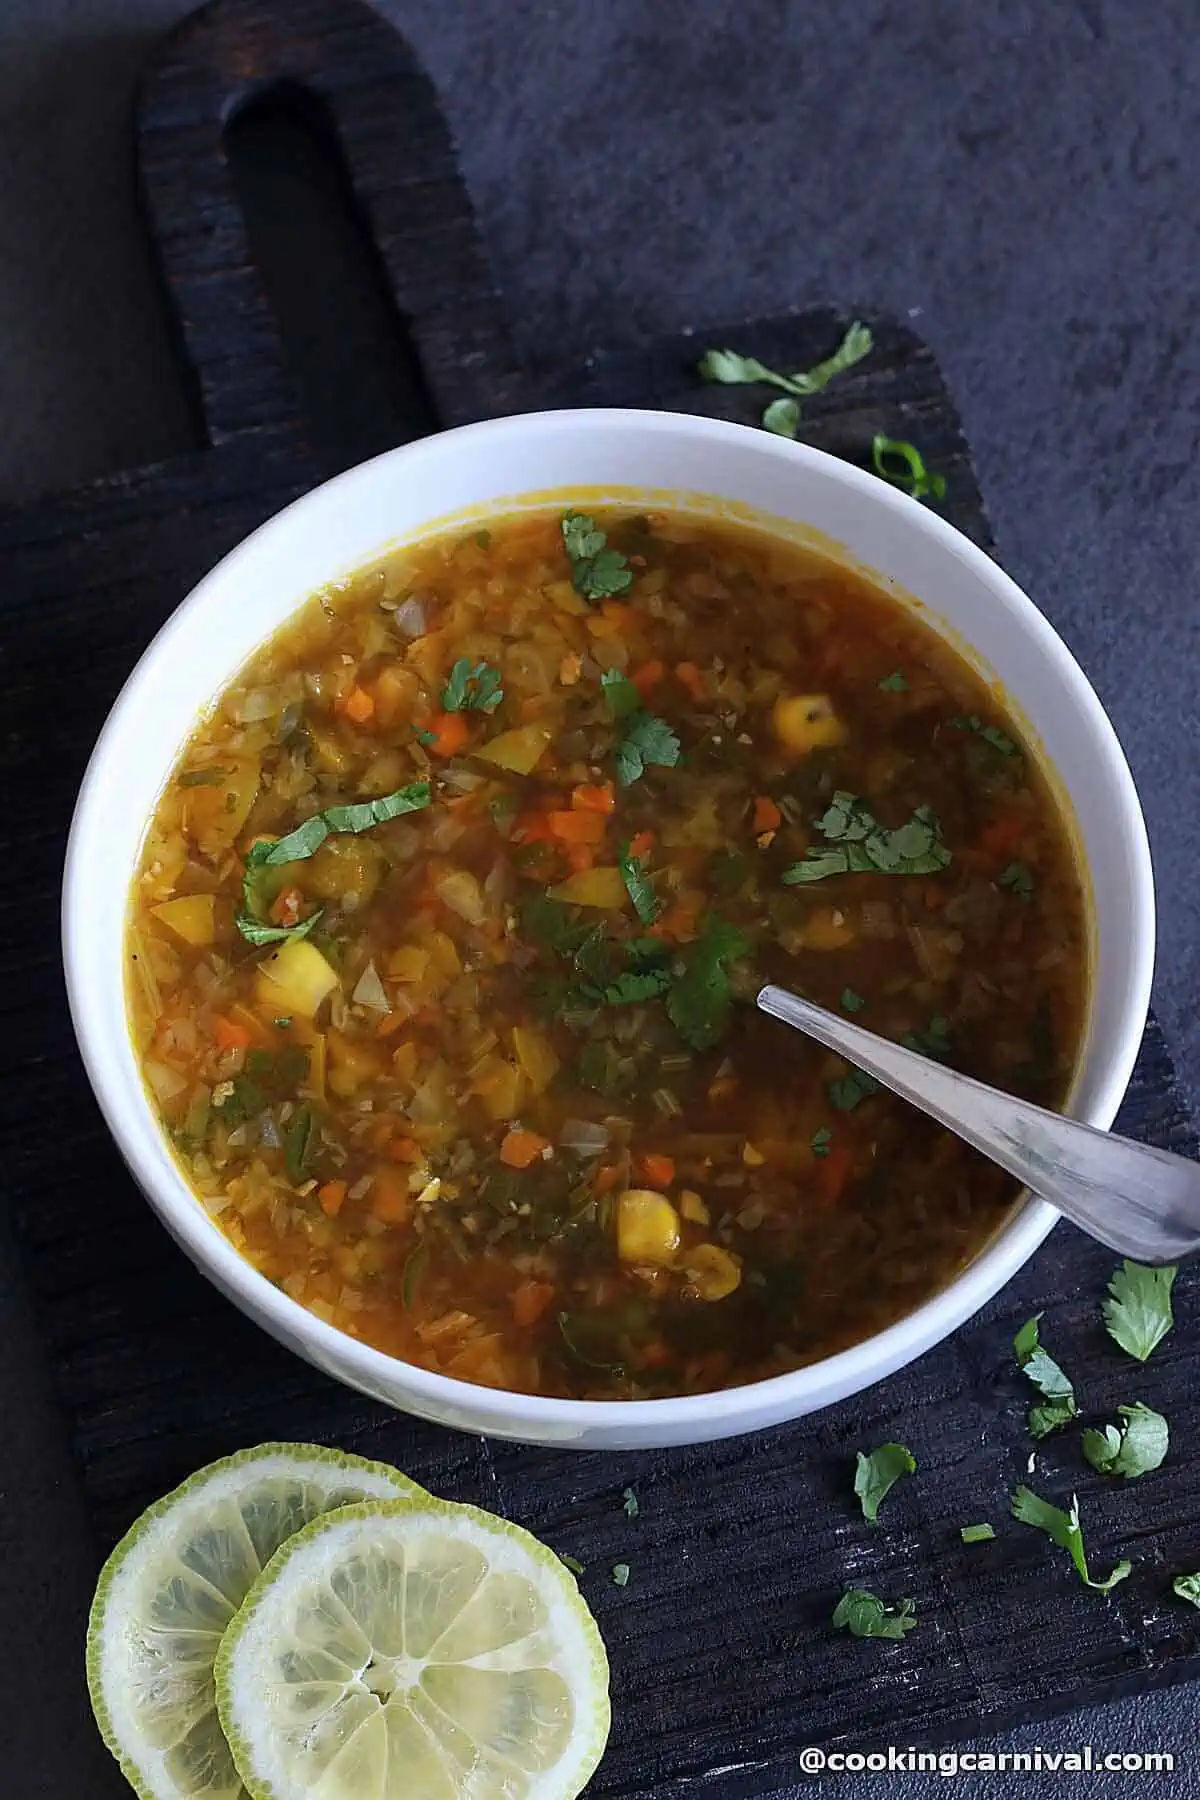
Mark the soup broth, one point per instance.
(444, 944)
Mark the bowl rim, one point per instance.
(723, 1411)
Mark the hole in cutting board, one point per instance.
(356, 377)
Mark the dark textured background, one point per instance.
(1016, 178)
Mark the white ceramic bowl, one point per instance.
(641, 458)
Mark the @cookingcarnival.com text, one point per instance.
(1084, 1759)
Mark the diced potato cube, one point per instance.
(536, 1056)
(215, 815)
(409, 963)
(443, 955)
(604, 888)
(804, 722)
(519, 750)
(713, 1272)
(351, 1064)
(294, 979)
(693, 1208)
(191, 918)
(501, 1087)
(647, 1228)
(460, 891)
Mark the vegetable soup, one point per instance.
(444, 945)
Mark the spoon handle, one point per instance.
(1142, 1202)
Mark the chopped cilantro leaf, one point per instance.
(821, 1140)
(630, 1502)
(988, 734)
(1055, 1387)
(472, 686)
(895, 683)
(1131, 1449)
(646, 902)
(852, 1002)
(700, 998)
(934, 1043)
(647, 739)
(1018, 879)
(728, 367)
(621, 696)
(728, 870)
(976, 1534)
(1187, 1587)
(300, 1142)
(633, 986)
(858, 844)
(597, 572)
(782, 417)
(1064, 1529)
(620, 1575)
(903, 465)
(1138, 1314)
(846, 1093)
(256, 932)
(863, 1614)
(878, 1473)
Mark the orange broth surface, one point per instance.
(470, 1066)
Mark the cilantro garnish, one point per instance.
(472, 687)
(976, 1534)
(863, 1614)
(878, 1473)
(1055, 1387)
(858, 844)
(821, 1140)
(699, 999)
(1138, 1314)
(1018, 879)
(1188, 1588)
(934, 1043)
(300, 1142)
(1131, 1449)
(636, 985)
(203, 777)
(783, 416)
(846, 1093)
(895, 683)
(1064, 1529)
(852, 1002)
(644, 738)
(630, 1502)
(620, 1575)
(304, 842)
(646, 902)
(989, 734)
(597, 572)
(903, 465)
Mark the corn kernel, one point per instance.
(752, 1156)
(804, 722)
(713, 1272)
(647, 1228)
(693, 1208)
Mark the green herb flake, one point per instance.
(1138, 1313)
(863, 1614)
(597, 572)
(571, 1562)
(895, 683)
(733, 370)
(782, 417)
(630, 1502)
(727, 871)
(1187, 1587)
(620, 1575)
(820, 1141)
(1018, 879)
(1055, 1387)
(903, 465)
(416, 1264)
(934, 1042)
(987, 734)
(300, 1142)
(256, 932)
(204, 778)
(643, 738)
(857, 844)
(1063, 1528)
(847, 1093)
(699, 1000)
(1131, 1449)
(878, 1473)
(472, 687)
(976, 1534)
(852, 1002)
(646, 902)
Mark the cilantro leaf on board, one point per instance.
(902, 464)
(878, 1473)
(1138, 1312)
(1063, 1528)
(1055, 1387)
(977, 1534)
(863, 1614)
(1131, 1449)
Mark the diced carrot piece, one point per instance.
(358, 706)
(520, 1148)
(530, 1301)
(657, 1170)
(767, 816)
(391, 1202)
(647, 678)
(285, 908)
(833, 1172)
(331, 1194)
(596, 798)
(689, 676)
(230, 1035)
(642, 844)
(576, 827)
(405, 1150)
(450, 732)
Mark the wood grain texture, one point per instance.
(723, 1661)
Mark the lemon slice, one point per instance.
(171, 1587)
(414, 1651)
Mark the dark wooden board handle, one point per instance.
(382, 109)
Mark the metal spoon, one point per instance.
(1142, 1202)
